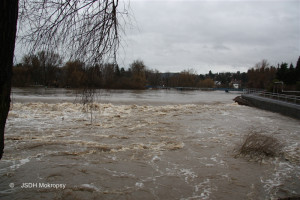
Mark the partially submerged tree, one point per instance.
(88, 30)
(258, 146)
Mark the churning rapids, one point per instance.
(143, 145)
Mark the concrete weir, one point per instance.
(285, 108)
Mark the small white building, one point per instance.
(236, 86)
(217, 83)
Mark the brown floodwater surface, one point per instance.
(147, 145)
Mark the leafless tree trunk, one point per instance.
(88, 30)
(8, 25)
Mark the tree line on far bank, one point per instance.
(47, 69)
(264, 76)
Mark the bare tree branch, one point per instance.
(88, 30)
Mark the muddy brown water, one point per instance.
(143, 145)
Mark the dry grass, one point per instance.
(258, 146)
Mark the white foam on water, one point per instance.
(155, 158)
(203, 189)
(8, 191)
(19, 164)
(282, 171)
(188, 174)
(139, 185)
(91, 186)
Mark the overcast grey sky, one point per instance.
(221, 36)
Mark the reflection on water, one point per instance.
(147, 145)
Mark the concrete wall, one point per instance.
(288, 109)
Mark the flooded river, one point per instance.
(153, 144)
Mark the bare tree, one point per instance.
(88, 30)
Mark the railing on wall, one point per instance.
(277, 96)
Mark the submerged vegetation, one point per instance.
(47, 69)
(258, 146)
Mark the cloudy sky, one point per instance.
(173, 35)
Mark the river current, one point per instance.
(153, 144)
